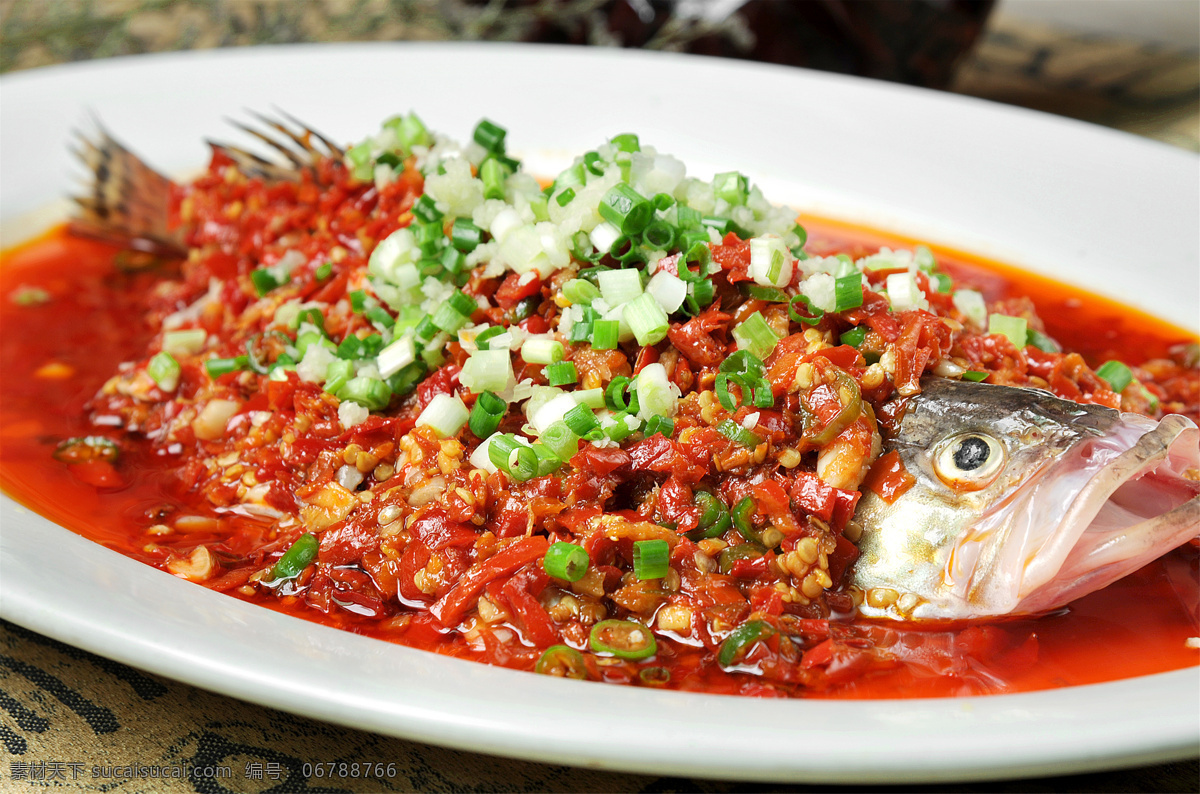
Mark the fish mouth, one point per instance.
(1109, 506)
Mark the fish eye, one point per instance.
(968, 461)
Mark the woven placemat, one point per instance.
(73, 720)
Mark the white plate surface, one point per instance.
(1091, 206)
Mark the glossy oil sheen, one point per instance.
(1135, 627)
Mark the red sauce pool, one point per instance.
(55, 356)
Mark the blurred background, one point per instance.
(1129, 64)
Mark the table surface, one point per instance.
(66, 714)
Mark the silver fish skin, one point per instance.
(1022, 503)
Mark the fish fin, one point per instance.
(128, 201)
(301, 146)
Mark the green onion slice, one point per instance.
(164, 370)
(651, 559)
(1043, 342)
(561, 373)
(848, 292)
(614, 395)
(216, 367)
(813, 314)
(486, 414)
(465, 235)
(721, 386)
(581, 291)
(1117, 375)
(566, 561)
(581, 420)
(756, 336)
(1015, 328)
(660, 424)
(762, 293)
(625, 208)
(605, 334)
(489, 135)
(745, 363)
(560, 440)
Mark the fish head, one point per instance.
(1021, 502)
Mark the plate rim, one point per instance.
(19, 604)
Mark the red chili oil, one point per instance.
(56, 355)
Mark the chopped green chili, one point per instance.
(296, 558)
(562, 661)
(624, 639)
(741, 640)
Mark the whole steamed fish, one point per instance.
(1021, 502)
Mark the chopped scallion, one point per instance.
(625, 208)
(542, 350)
(619, 286)
(164, 370)
(371, 393)
(725, 397)
(493, 175)
(449, 319)
(380, 316)
(660, 424)
(848, 292)
(465, 235)
(580, 291)
(425, 210)
(446, 414)
(646, 319)
(187, 342)
(626, 142)
(216, 367)
(1015, 328)
(605, 334)
(486, 414)
(490, 136)
(338, 374)
(561, 373)
(1043, 342)
(756, 336)
(1117, 375)
(581, 420)
(566, 561)
(651, 559)
(560, 440)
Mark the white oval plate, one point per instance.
(1099, 208)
